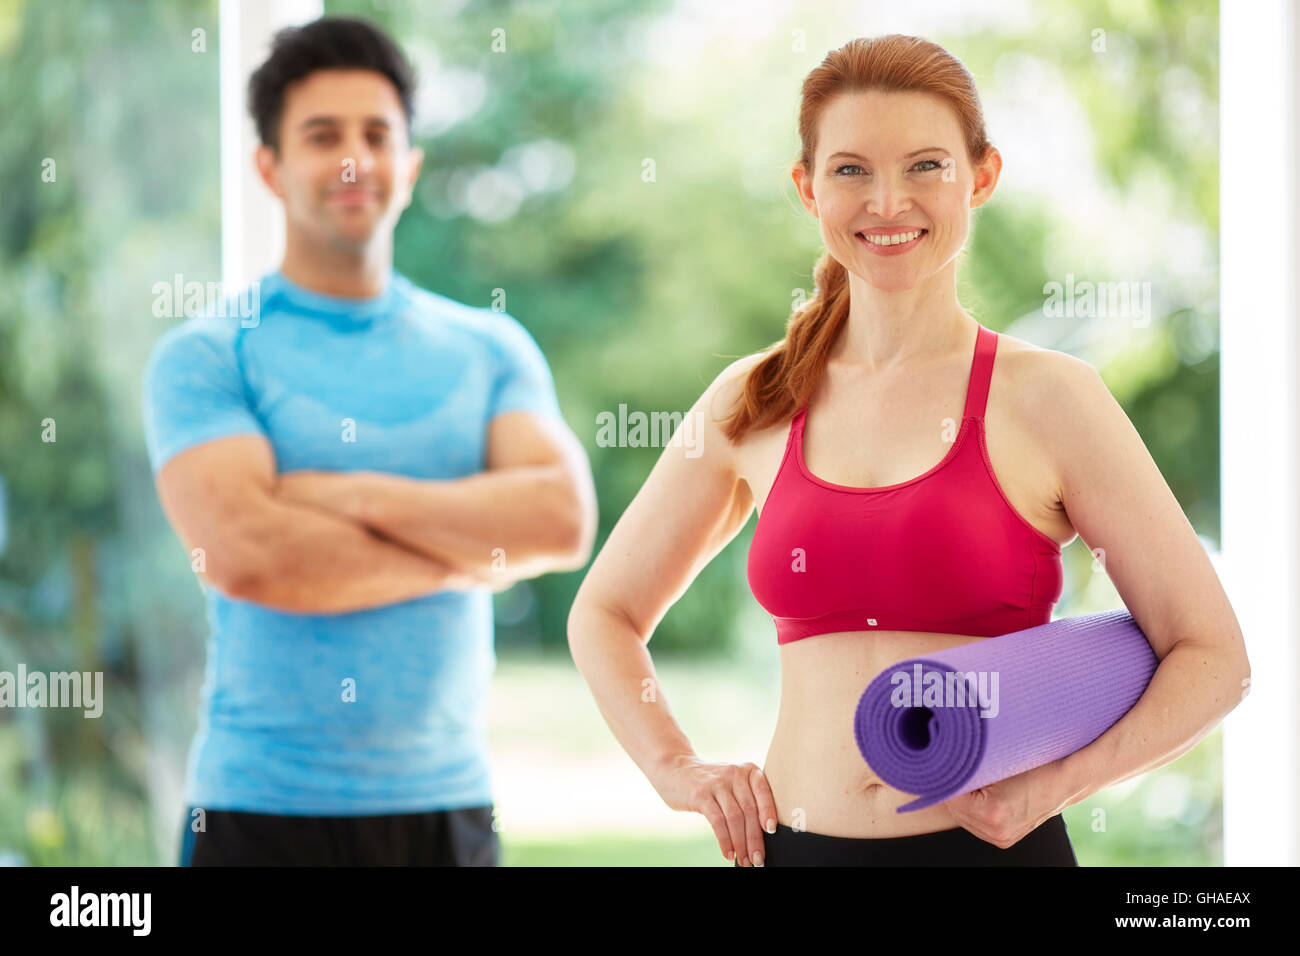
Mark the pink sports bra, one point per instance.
(943, 552)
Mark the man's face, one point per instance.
(345, 168)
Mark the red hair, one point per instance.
(780, 383)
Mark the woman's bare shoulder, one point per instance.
(1035, 367)
(723, 395)
(1042, 388)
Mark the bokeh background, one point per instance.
(1105, 112)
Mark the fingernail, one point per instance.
(758, 858)
(771, 825)
(731, 855)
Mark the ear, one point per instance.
(803, 183)
(268, 168)
(986, 177)
(414, 160)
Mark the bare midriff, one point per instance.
(819, 779)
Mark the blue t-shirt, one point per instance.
(405, 382)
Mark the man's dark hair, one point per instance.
(329, 43)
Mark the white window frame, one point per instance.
(252, 221)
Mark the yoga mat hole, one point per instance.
(914, 728)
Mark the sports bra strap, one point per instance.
(981, 373)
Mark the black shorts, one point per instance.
(459, 837)
(1046, 845)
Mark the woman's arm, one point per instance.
(1126, 514)
(690, 506)
(1121, 506)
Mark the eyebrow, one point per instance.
(915, 152)
(314, 121)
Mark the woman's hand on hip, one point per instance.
(734, 798)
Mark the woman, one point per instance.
(911, 476)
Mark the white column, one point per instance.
(252, 223)
(1260, 425)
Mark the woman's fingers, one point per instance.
(718, 820)
(744, 784)
(736, 825)
(738, 803)
(763, 795)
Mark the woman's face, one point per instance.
(890, 164)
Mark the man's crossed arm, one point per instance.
(333, 542)
(533, 509)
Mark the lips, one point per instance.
(892, 246)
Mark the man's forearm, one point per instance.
(301, 560)
(511, 522)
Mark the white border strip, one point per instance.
(1260, 424)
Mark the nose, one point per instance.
(887, 198)
(359, 149)
(365, 155)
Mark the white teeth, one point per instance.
(891, 240)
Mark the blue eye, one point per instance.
(846, 166)
(937, 164)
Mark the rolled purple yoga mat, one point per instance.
(1044, 692)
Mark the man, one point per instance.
(353, 472)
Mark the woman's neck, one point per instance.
(888, 331)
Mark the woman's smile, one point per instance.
(892, 242)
